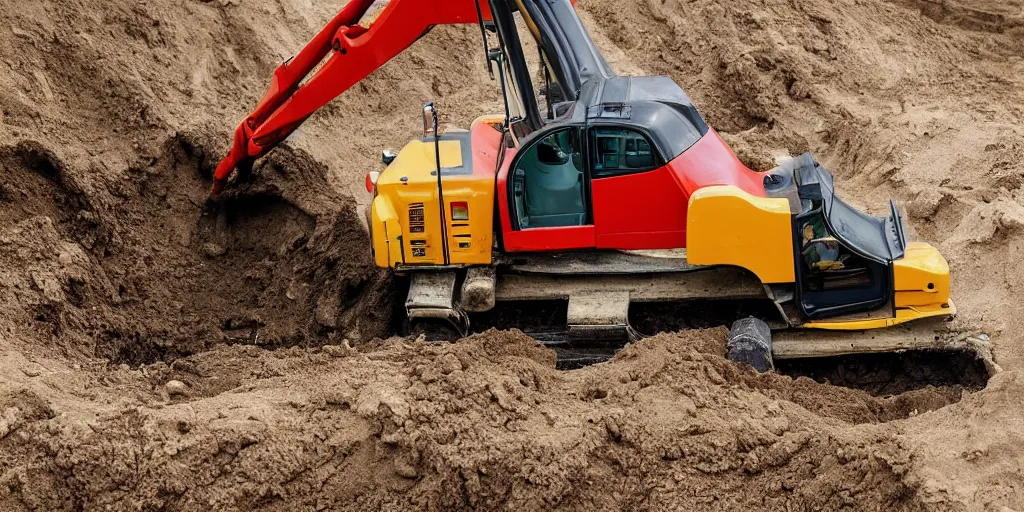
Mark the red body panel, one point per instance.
(711, 162)
(645, 210)
(486, 142)
(549, 239)
(640, 211)
(501, 190)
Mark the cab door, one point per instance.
(638, 204)
(546, 194)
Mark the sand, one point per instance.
(161, 352)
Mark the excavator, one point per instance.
(593, 194)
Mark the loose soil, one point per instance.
(162, 352)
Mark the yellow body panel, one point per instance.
(417, 161)
(727, 226)
(405, 221)
(903, 315)
(386, 229)
(921, 276)
(921, 290)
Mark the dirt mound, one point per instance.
(147, 269)
(485, 423)
(137, 316)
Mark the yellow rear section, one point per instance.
(727, 226)
(903, 315)
(921, 279)
(405, 218)
(921, 276)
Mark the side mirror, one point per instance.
(387, 156)
(429, 120)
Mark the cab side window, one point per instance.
(621, 151)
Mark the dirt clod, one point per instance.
(175, 388)
(342, 350)
(449, 364)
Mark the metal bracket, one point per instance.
(602, 315)
(432, 296)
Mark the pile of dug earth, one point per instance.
(161, 353)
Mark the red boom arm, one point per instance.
(355, 52)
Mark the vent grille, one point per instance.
(416, 218)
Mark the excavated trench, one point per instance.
(892, 374)
(165, 273)
(878, 374)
